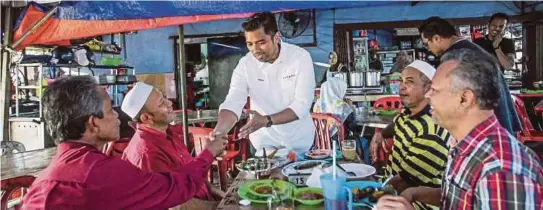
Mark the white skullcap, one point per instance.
(423, 67)
(135, 99)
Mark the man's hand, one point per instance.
(389, 202)
(217, 192)
(218, 134)
(216, 146)
(256, 121)
(375, 146)
(409, 193)
(497, 40)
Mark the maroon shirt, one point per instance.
(154, 151)
(81, 177)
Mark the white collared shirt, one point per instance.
(288, 82)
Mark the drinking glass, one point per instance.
(282, 200)
(348, 148)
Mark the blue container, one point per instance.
(337, 196)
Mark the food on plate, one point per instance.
(376, 195)
(308, 165)
(318, 153)
(256, 164)
(263, 189)
(371, 193)
(309, 196)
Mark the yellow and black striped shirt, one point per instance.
(419, 153)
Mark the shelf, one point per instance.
(76, 66)
(94, 66)
(105, 52)
(29, 87)
(118, 83)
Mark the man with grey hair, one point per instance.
(419, 148)
(488, 168)
(81, 120)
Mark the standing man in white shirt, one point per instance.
(280, 81)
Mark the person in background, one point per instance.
(400, 62)
(280, 81)
(494, 42)
(335, 66)
(419, 151)
(80, 119)
(332, 101)
(375, 62)
(158, 146)
(440, 37)
(488, 168)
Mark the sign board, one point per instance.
(298, 179)
(407, 31)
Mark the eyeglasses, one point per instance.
(425, 44)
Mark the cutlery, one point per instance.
(348, 172)
(265, 157)
(387, 180)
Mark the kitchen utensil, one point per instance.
(373, 78)
(361, 171)
(348, 172)
(273, 153)
(110, 61)
(356, 79)
(265, 156)
(318, 154)
(387, 180)
(298, 167)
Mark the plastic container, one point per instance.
(111, 61)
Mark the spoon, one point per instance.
(387, 180)
(348, 172)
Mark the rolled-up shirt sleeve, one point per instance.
(238, 92)
(305, 87)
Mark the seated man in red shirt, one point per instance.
(158, 146)
(80, 119)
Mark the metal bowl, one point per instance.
(271, 164)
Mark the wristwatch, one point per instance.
(270, 122)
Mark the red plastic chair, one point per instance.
(390, 102)
(226, 162)
(10, 189)
(528, 132)
(323, 123)
(116, 148)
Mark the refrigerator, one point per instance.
(360, 52)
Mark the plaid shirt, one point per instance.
(490, 169)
